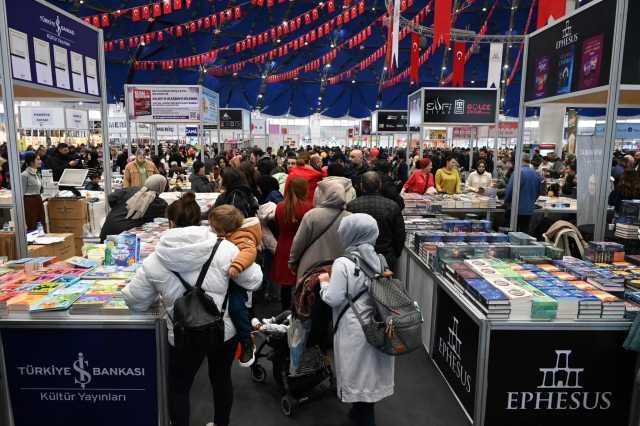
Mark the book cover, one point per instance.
(591, 62)
(62, 298)
(82, 262)
(103, 271)
(121, 250)
(25, 301)
(115, 305)
(45, 288)
(606, 298)
(565, 70)
(141, 102)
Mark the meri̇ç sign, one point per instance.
(88, 376)
(455, 349)
(163, 103)
(557, 377)
(573, 54)
(460, 106)
(51, 49)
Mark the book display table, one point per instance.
(524, 372)
(83, 371)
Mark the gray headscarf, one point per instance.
(138, 204)
(359, 232)
(335, 197)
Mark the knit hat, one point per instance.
(335, 169)
(424, 163)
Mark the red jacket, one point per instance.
(418, 184)
(312, 176)
(280, 272)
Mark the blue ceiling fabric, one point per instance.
(296, 97)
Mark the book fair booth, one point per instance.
(389, 124)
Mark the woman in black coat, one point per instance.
(135, 206)
(236, 193)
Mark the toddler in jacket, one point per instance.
(228, 222)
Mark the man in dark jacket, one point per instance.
(389, 190)
(387, 214)
(263, 162)
(359, 166)
(121, 162)
(60, 161)
(199, 182)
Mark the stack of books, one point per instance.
(487, 298)
(612, 307)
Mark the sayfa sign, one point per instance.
(456, 349)
(559, 377)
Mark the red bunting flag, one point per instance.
(192, 27)
(214, 20)
(260, 2)
(549, 8)
(146, 12)
(244, 45)
(177, 4)
(298, 22)
(331, 6)
(207, 22)
(354, 12)
(458, 63)
(96, 21)
(237, 47)
(237, 12)
(279, 31)
(269, 3)
(188, 3)
(160, 36)
(415, 53)
(260, 39)
(345, 17)
(285, 50)
(106, 47)
(442, 23)
(285, 28)
(157, 10)
(135, 14)
(105, 20)
(147, 39)
(110, 46)
(292, 25)
(313, 35)
(295, 45)
(166, 7)
(339, 21)
(361, 7)
(179, 31)
(121, 44)
(320, 31)
(307, 18)
(314, 14)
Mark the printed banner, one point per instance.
(572, 133)
(163, 103)
(590, 157)
(495, 65)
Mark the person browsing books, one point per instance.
(184, 249)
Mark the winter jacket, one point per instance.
(240, 197)
(31, 182)
(247, 239)
(59, 163)
(282, 179)
(266, 215)
(389, 190)
(265, 165)
(200, 183)
(353, 355)
(274, 197)
(357, 177)
(132, 173)
(313, 176)
(418, 184)
(327, 246)
(185, 250)
(391, 231)
(117, 221)
(502, 185)
(475, 181)
(121, 161)
(319, 196)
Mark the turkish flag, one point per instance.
(188, 3)
(327, 28)
(110, 46)
(345, 18)
(313, 35)
(237, 47)
(147, 39)
(146, 12)
(193, 27)
(160, 36)
(157, 10)
(442, 23)
(415, 54)
(96, 21)
(285, 28)
(260, 39)
(273, 34)
(135, 14)
(314, 14)
(207, 22)
(106, 47)
(269, 3)
(320, 31)
(339, 20)
(167, 7)
(237, 12)
(361, 7)
(549, 8)
(409, 3)
(292, 25)
(87, 20)
(105, 20)
(295, 45)
(180, 63)
(279, 31)
(214, 20)
(244, 45)
(307, 18)
(285, 50)
(260, 2)
(179, 30)
(222, 17)
(121, 44)
(458, 63)
(354, 12)
(177, 4)
(331, 6)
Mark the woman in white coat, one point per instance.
(364, 374)
(185, 249)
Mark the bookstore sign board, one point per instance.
(559, 377)
(456, 348)
(84, 376)
(162, 104)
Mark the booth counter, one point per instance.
(84, 370)
(524, 372)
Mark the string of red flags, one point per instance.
(154, 10)
(526, 31)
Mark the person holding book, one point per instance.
(184, 249)
(479, 179)
(246, 234)
(135, 206)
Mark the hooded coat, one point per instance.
(311, 244)
(313, 176)
(185, 250)
(319, 196)
(282, 180)
(363, 373)
(239, 195)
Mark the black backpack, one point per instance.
(198, 325)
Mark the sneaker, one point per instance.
(247, 349)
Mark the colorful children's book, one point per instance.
(115, 306)
(82, 262)
(122, 250)
(45, 288)
(62, 298)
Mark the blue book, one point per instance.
(584, 297)
(560, 294)
(122, 250)
(486, 293)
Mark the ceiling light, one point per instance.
(444, 68)
(264, 76)
(502, 99)
(328, 65)
(377, 106)
(332, 45)
(322, 79)
(353, 81)
(79, 103)
(373, 8)
(503, 81)
(81, 1)
(506, 66)
(278, 41)
(449, 48)
(284, 22)
(305, 43)
(509, 45)
(320, 97)
(484, 9)
(385, 68)
(472, 81)
(259, 96)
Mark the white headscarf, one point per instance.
(359, 233)
(138, 204)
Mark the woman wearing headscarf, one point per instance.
(268, 190)
(156, 160)
(353, 355)
(335, 174)
(317, 238)
(131, 207)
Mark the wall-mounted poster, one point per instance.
(565, 70)
(591, 62)
(542, 77)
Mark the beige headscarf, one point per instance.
(138, 204)
(335, 196)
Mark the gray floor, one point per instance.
(421, 397)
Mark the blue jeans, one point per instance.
(238, 310)
(182, 371)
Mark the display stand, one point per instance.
(49, 55)
(593, 37)
(524, 372)
(97, 370)
(156, 104)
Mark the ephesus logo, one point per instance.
(452, 353)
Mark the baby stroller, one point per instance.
(300, 371)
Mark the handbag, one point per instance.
(198, 325)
